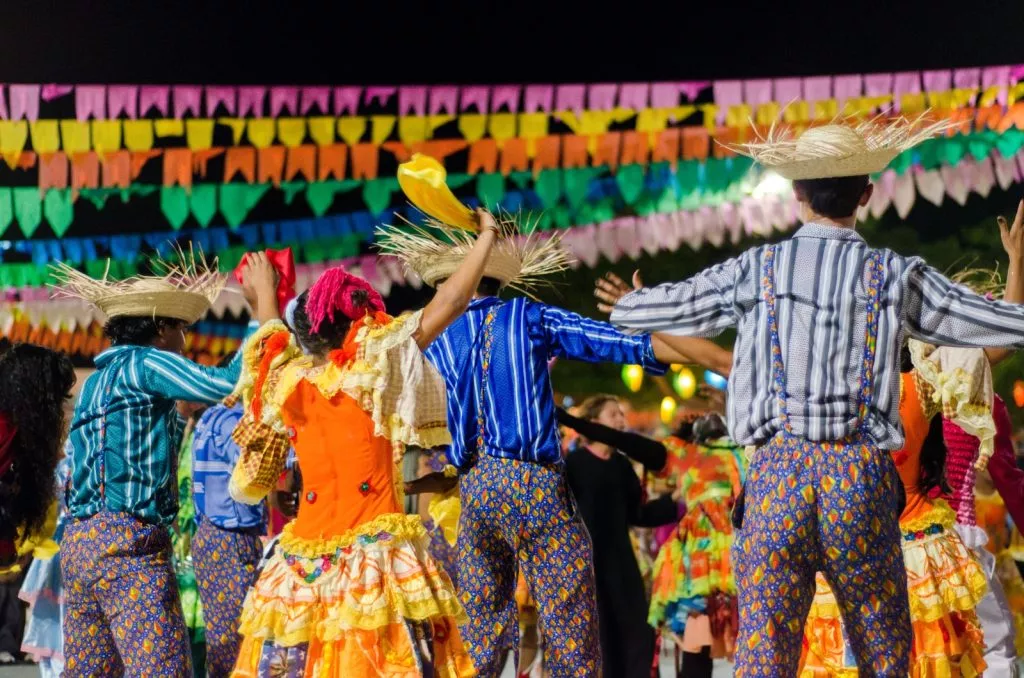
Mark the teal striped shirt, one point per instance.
(126, 430)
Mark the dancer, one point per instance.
(123, 613)
(610, 500)
(695, 592)
(351, 589)
(828, 314)
(505, 442)
(944, 580)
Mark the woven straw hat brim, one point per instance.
(434, 269)
(186, 306)
(867, 162)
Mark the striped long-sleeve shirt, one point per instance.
(820, 287)
(519, 406)
(126, 431)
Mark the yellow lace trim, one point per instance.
(940, 513)
(398, 525)
(444, 510)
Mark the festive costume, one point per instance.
(124, 613)
(694, 589)
(182, 536)
(517, 511)
(944, 580)
(351, 589)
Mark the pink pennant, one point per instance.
(708, 222)
(634, 95)
(90, 101)
(686, 230)
(382, 95)
(727, 93)
(220, 95)
(570, 98)
(250, 101)
(123, 99)
(474, 96)
(53, 91)
(3, 104)
(984, 177)
(818, 88)
(954, 179)
(878, 84)
(774, 212)
(444, 98)
(664, 94)
(903, 194)
(997, 76)
(929, 185)
(607, 243)
(627, 236)
(282, 98)
(346, 100)
(691, 89)
(788, 90)
(1016, 73)
(654, 233)
(585, 247)
(187, 99)
(412, 100)
(730, 216)
(937, 81)
(967, 78)
(538, 98)
(315, 96)
(505, 96)
(24, 102)
(881, 198)
(757, 92)
(368, 265)
(907, 82)
(154, 96)
(846, 87)
(753, 218)
(602, 97)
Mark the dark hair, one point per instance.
(488, 287)
(906, 361)
(128, 330)
(685, 431)
(835, 198)
(708, 427)
(933, 459)
(36, 381)
(331, 334)
(591, 408)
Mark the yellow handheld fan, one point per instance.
(423, 181)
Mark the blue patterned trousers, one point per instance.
(516, 512)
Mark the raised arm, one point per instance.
(454, 294)
(570, 335)
(1013, 244)
(651, 453)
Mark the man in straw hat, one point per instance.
(501, 411)
(815, 384)
(123, 610)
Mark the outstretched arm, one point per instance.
(454, 294)
(642, 449)
(1013, 244)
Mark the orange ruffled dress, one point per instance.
(944, 580)
(993, 518)
(351, 589)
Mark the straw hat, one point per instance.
(840, 149)
(185, 291)
(434, 252)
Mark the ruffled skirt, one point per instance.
(43, 591)
(372, 602)
(945, 583)
(694, 591)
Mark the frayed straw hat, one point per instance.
(518, 260)
(843, 148)
(185, 291)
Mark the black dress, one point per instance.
(610, 500)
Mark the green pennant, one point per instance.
(577, 185)
(377, 194)
(549, 187)
(320, 196)
(6, 209)
(459, 180)
(1009, 142)
(28, 209)
(490, 188)
(928, 154)
(174, 205)
(290, 189)
(237, 200)
(716, 175)
(203, 203)
(980, 145)
(99, 196)
(952, 150)
(561, 217)
(521, 179)
(902, 162)
(59, 211)
(630, 180)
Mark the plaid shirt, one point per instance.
(821, 302)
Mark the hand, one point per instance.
(432, 483)
(1013, 236)
(611, 288)
(259, 280)
(485, 220)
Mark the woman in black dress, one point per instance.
(610, 500)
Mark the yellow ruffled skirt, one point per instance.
(944, 583)
(370, 603)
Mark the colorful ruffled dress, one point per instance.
(994, 519)
(694, 589)
(351, 589)
(184, 529)
(43, 640)
(944, 580)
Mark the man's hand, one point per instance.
(1013, 235)
(611, 288)
(259, 284)
(432, 483)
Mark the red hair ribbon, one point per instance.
(284, 263)
(7, 432)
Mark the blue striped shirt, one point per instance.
(214, 455)
(519, 405)
(820, 287)
(126, 431)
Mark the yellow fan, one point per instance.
(423, 181)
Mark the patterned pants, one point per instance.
(513, 510)
(831, 507)
(225, 563)
(123, 612)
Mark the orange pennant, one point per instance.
(513, 156)
(139, 160)
(301, 160)
(397, 149)
(332, 162)
(200, 159)
(666, 146)
(440, 149)
(607, 151)
(271, 165)
(241, 160)
(364, 161)
(1014, 118)
(483, 156)
(548, 149)
(117, 169)
(53, 171)
(177, 167)
(574, 151)
(635, 148)
(85, 171)
(725, 135)
(696, 143)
